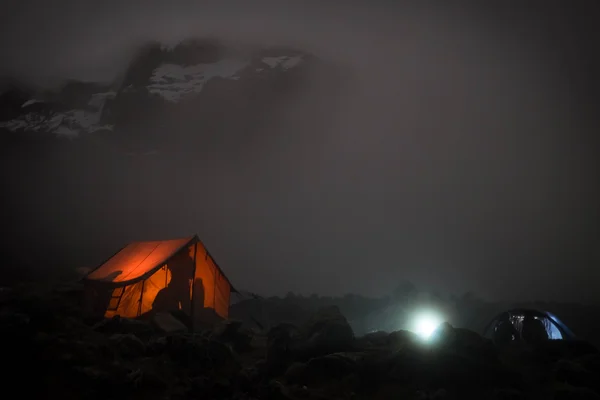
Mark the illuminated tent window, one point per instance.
(167, 275)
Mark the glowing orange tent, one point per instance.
(166, 275)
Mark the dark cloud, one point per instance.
(462, 156)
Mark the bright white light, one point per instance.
(426, 323)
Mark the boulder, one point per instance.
(127, 344)
(206, 319)
(554, 350)
(281, 350)
(200, 355)
(12, 321)
(590, 362)
(507, 394)
(296, 373)
(373, 339)
(327, 331)
(400, 339)
(439, 394)
(575, 374)
(232, 332)
(328, 368)
(419, 364)
(464, 342)
(575, 393)
(117, 324)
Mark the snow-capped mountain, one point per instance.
(174, 82)
(158, 78)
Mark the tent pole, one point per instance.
(193, 287)
(215, 289)
(141, 299)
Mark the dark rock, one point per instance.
(281, 352)
(575, 393)
(575, 374)
(326, 332)
(232, 332)
(507, 394)
(202, 387)
(335, 365)
(464, 342)
(590, 362)
(130, 359)
(125, 325)
(248, 378)
(127, 344)
(439, 394)
(206, 319)
(329, 368)
(276, 390)
(261, 367)
(378, 338)
(157, 345)
(399, 339)
(82, 353)
(200, 355)
(296, 373)
(553, 350)
(419, 364)
(13, 321)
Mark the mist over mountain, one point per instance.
(168, 130)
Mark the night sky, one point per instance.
(461, 157)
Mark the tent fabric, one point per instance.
(564, 329)
(131, 282)
(127, 304)
(144, 292)
(217, 288)
(222, 296)
(137, 259)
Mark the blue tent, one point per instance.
(555, 327)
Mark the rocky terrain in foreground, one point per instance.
(52, 350)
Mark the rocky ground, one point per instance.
(51, 350)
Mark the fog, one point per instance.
(461, 155)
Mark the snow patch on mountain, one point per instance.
(31, 102)
(284, 62)
(65, 123)
(174, 82)
(70, 123)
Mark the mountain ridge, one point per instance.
(156, 77)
